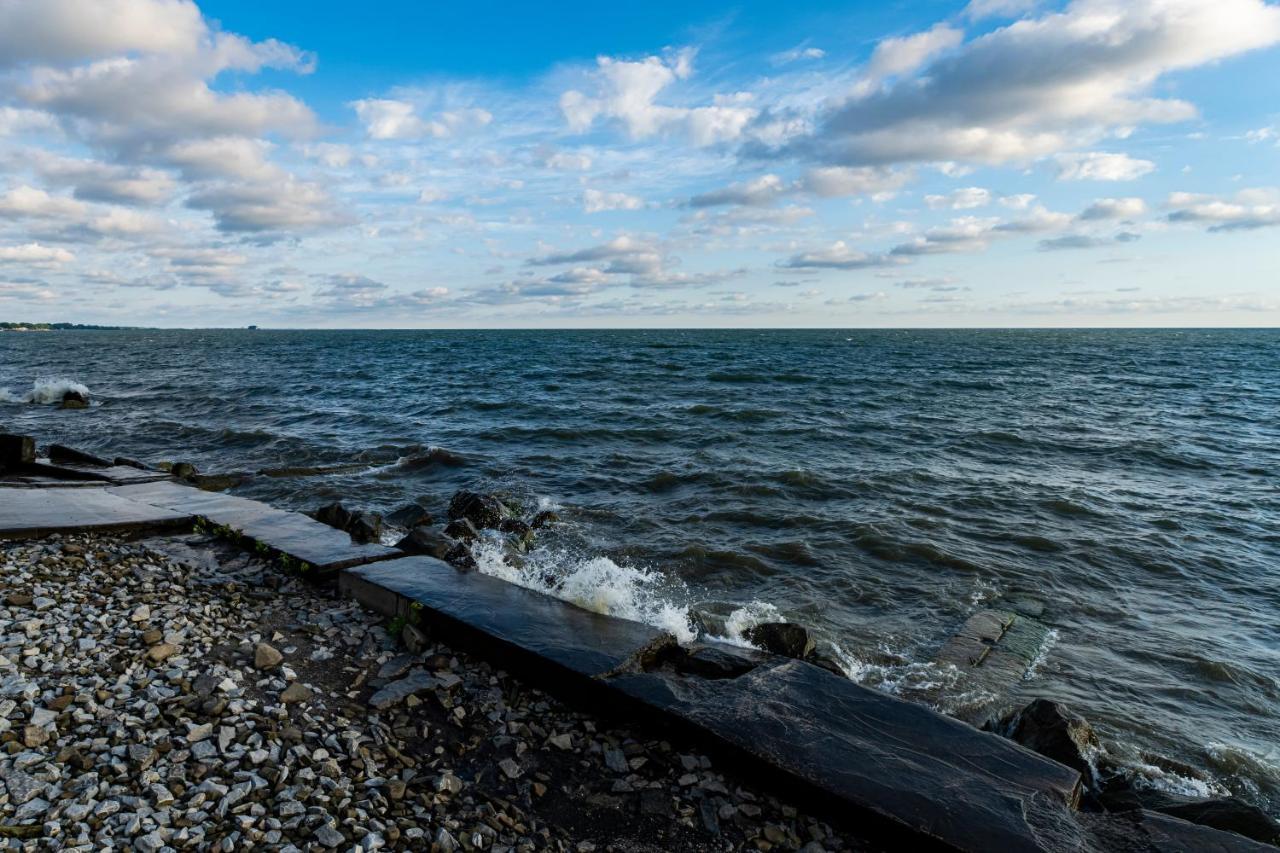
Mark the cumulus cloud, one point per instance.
(627, 91)
(91, 180)
(285, 205)
(837, 256)
(1038, 86)
(1245, 211)
(35, 255)
(1114, 208)
(1084, 241)
(1101, 166)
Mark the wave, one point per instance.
(45, 390)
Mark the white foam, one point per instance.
(594, 583)
(45, 390)
(746, 617)
(1043, 652)
(1156, 778)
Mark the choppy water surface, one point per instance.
(880, 486)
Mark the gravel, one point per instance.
(153, 700)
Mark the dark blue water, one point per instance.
(879, 486)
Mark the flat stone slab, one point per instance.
(994, 649)
(904, 768)
(119, 475)
(31, 512)
(292, 533)
(508, 619)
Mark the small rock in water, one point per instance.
(1054, 731)
(782, 638)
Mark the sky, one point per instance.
(755, 164)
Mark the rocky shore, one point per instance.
(157, 699)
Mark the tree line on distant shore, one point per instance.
(44, 327)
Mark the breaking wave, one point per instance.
(44, 391)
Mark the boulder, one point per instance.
(423, 540)
(183, 470)
(483, 511)
(782, 638)
(459, 556)
(16, 450)
(362, 526)
(461, 529)
(1229, 814)
(410, 516)
(544, 518)
(60, 453)
(1054, 731)
(75, 400)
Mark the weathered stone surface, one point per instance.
(903, 767)
(265, 656)
(360, 526)
(290, 533)
(39, 512)
(993, 650)
(1054, 731)
(1168, 834)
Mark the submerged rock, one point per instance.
(461, 529)
(183, 470)
(1054, 731)
(72, 399)
(459, 556)
(544, 518)
(782, 638)
(483, 511)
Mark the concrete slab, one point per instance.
(902, 769)
(30, 512)
(501, 618)
(292, 533)
(119, 475)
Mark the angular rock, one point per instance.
(1054, 731)
(72, 399)
(161, 651)
(409, 517)
(266, 656)
(782, 638)
(398, 691)
(295, 692)
(61, 453)
(483, 511)
(461, 529)
(423, 540)
(16, 450)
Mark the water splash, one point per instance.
(45, 390)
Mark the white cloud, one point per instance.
(1101, 166)
(961, 199)
(797, 54)
(60, 31)
(24, 202)
(837, 256)
(36, 255)
(626, 91)
(1245, 211)
(386, 118)
(1114, 208)
(95, 181)
(280, 206)
(895, 56)
(759, 191)
(1038, 86)
(596, 201)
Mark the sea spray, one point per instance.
(45, 390)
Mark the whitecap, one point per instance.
(45, 390)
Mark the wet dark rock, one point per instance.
(309, 470)
(544, 518)
(16, 450)
(516, 528)
(61, 453)
(461, 529)
(433, 457)
(459, 556)
(1054, 731)
(183, 470)
(828, 662)
(410, 516)
(1225, 813)
(782, 638)
(362, 526)
(216, 482)
(423, 540)
(483, 511)
(126, 462)
(75, 400)
(716, 661)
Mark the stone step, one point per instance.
(32, 512)
(292, 533)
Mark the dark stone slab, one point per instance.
(62, 454)
(16, 450)
(290, 533)
(27, 512)
(993, 650)
(905, 770)
(499, 617)
(1169, 834)
(114, 474)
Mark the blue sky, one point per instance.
(991, 163)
